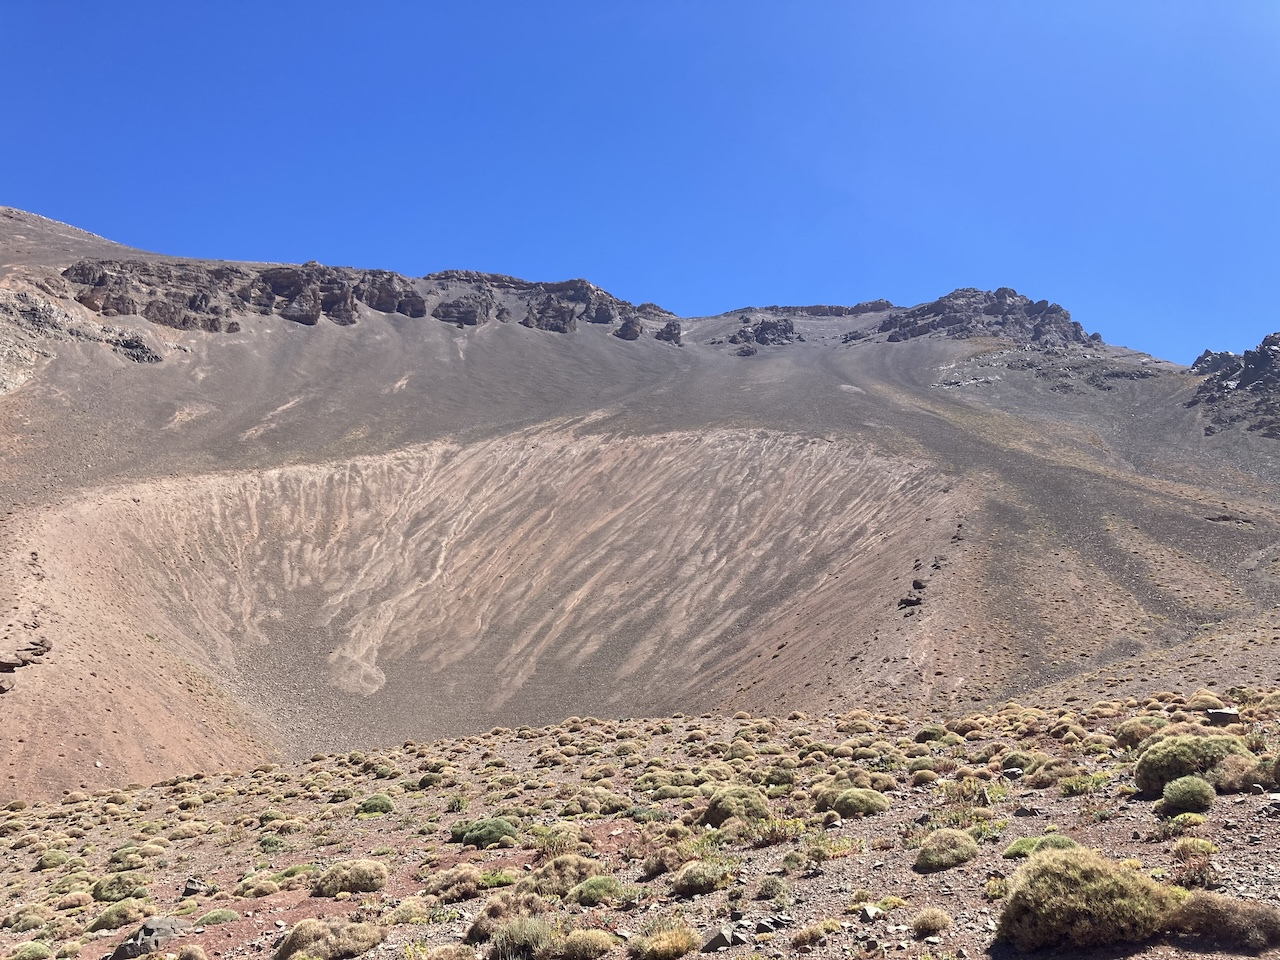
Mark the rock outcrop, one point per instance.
(768, 332)
(1241, 390)
(190, 295)
(1005, 313)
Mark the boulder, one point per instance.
(150, 937)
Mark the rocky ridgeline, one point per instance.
(970, 312)
(194, 296)
(1241, 389)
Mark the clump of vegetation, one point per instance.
(595, 890)
(744, 803)
(351, 876)
(215, 917)
(1026, 846)
(1233, 924)
(482, 833)
(120, 886)
(587, 944)
(501, 908)
(667, 938)
(556, 877)
(521, 938)
(859, 802)
(332, 939)
(699, 877)
(457, 883)
(378, 803)
(120, 914)
(1188, 794)
(944, 849)
(1180, 756)
(1079, 898)
(814, 933)
(930, 921)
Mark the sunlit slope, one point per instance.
(504, 581)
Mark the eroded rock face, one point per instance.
(188, 295)
(1243, 390)
(969, 312)
(670, 332)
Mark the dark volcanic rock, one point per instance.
(630, 330)
(969, 312)
(1243, 390)
(670, 332)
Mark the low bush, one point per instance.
(482, 833)
(215, 917)
(1189, 794)
(1080, 899)
(1180, 756)
(667, 938)
(556, 877)
(595, 890)
(457, 883)
(930, 921)
(332, 939)
(521, 938)
(745, 803)
(501, 908)
(351, 876)
(1234, 924)
(376, 804)
(120, 886)
(700, 876)
(587, 944)
(944, 849)
(120, 914)
(857, 802)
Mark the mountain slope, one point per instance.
(257, 508)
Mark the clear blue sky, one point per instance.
(1122, 159)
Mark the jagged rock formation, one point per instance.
(1241, 389)
(969, 312)
(187, 295)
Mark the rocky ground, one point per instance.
(753, 835)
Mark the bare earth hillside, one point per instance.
(254, 511)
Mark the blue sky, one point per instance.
(1119, 158)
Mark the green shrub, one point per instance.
(482, 833)
(1078, 898)
(120, 886)
(1180, 756)
(376, 804)
(332, 939)
(595, 890)
(1188, 795)
(351, 876)
(1029, 845)
(256, 886)
(521, 938)
(944, 849)
(119, 914)
(856, 802)
(33, 950)
(745, 803)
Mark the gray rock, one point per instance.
(150, 937)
